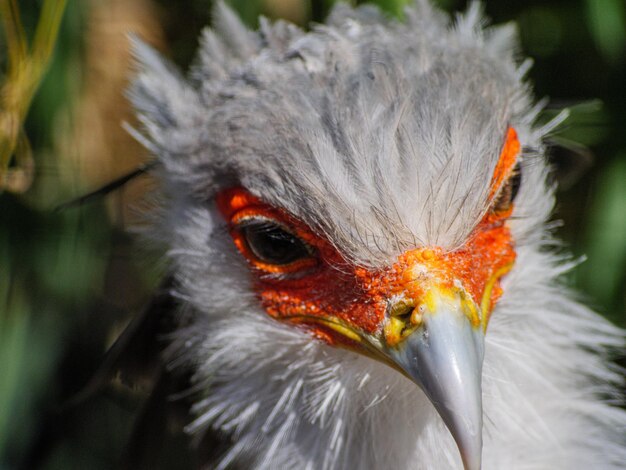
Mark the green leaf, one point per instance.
(602, 274)
(607, 22)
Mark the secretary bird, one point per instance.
(362, 272)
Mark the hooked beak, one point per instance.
(433, 332)
(439, 345)
(443, 355)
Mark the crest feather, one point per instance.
(241, 42)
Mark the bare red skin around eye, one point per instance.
(333, 288)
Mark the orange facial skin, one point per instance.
(506, 162)
(340, 302)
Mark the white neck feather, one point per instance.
(292, 402)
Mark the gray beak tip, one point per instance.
(444, 357)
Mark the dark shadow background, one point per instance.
(70, 280)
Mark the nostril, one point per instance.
(403, 318)
(401, 310)
(406, 314)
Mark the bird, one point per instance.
(362, 271)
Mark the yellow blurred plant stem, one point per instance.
(26, 66)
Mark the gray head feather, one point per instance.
(383, 136)
(339, 127)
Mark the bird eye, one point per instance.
(507, 194)
(272, 244)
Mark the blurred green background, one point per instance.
(70, 280)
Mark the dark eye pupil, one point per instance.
(509, 191)
(515, 181)
(272, 244)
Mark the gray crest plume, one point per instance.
(382, 135)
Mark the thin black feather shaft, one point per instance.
(109, 187)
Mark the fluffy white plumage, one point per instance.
(383, 136)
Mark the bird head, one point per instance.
(343, 210)
(424, 315)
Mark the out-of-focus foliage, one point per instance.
(70, 280)
(603, 273)
(25, 68)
